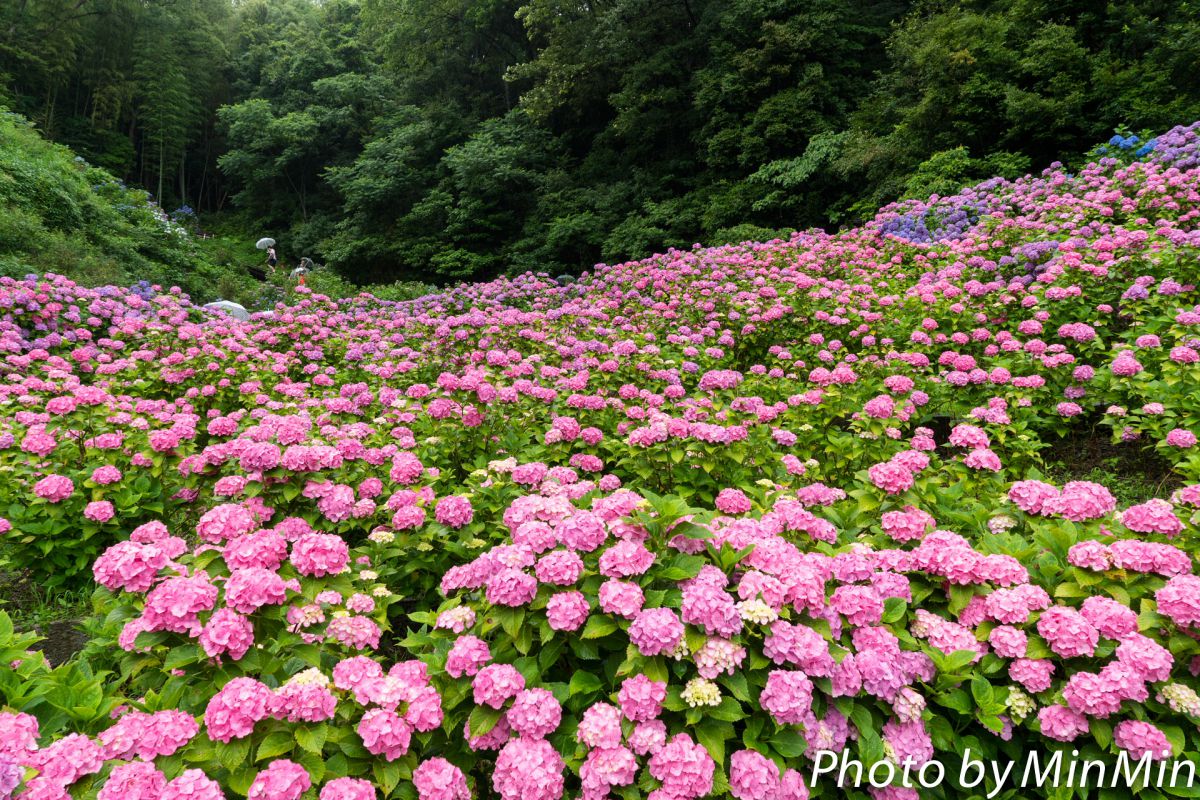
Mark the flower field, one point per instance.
(669, 532)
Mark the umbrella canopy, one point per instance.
(264, 243)
(232, 309)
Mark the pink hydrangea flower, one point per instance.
(641, 698)
(1067, 632)
(454, 511)
(684, 768)
(567, 611)
(136, 781)
(1179, 600)
(438, 779)
(1181, 438)
(467, 656)
(1061, 723)
(319, 554)
(1140, 738)
(494, 684)
(656, 631)
(528, 769)
(753, 776)
(349, 789)
(192, 784)
(233, 711)
(54, 488)
(534, 713)
(384, 733)
(130, 566)
(281, 780)
(99, 511)
(1153, 516)
(600, 726)
(733, 501)
(787, 696)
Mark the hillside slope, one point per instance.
(60, 214)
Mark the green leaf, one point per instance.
(276, 744)
(182, 655)
(483, 719)
(1175, 736)
(893, 609)
(1036, 648)
(312, 739)
(729, 710)
(233, 755)
(583, 683)
(870, 746)
(683, 567)
(510, 620)
(524, 640)
(549, 654)
(789, 743)
(387, 775)
(315, 765)
(1070, 589)
(737, 684)
(713, 735)
(958, 659)
(960, 596)
(956, 699)
(241, 779)
(598, 626)
(981, 690)
(656, 670)
(1101, 730)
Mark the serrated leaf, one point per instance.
(894, 609)
(738, 685)
(981, 690)
(598, 626)
(729, 710)
(789, 743)
(1101, 731)
(314, 764)
(312, 739)
(483, 719)
(958, 659)
(584, 683)
(656, 670)
(276, 744)
(956, 699)
(713, 735)
(387, 775)
(233, 755)
(240, 779)
(182, 655)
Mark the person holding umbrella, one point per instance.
(268, 244)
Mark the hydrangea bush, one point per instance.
(671, 531)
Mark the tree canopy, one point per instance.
(445, 139)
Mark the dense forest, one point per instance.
(444, 139)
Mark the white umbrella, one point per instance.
(232, 309)
(264, 243)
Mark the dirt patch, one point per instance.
(62, 640)
(1133, 471)
(54, 617)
